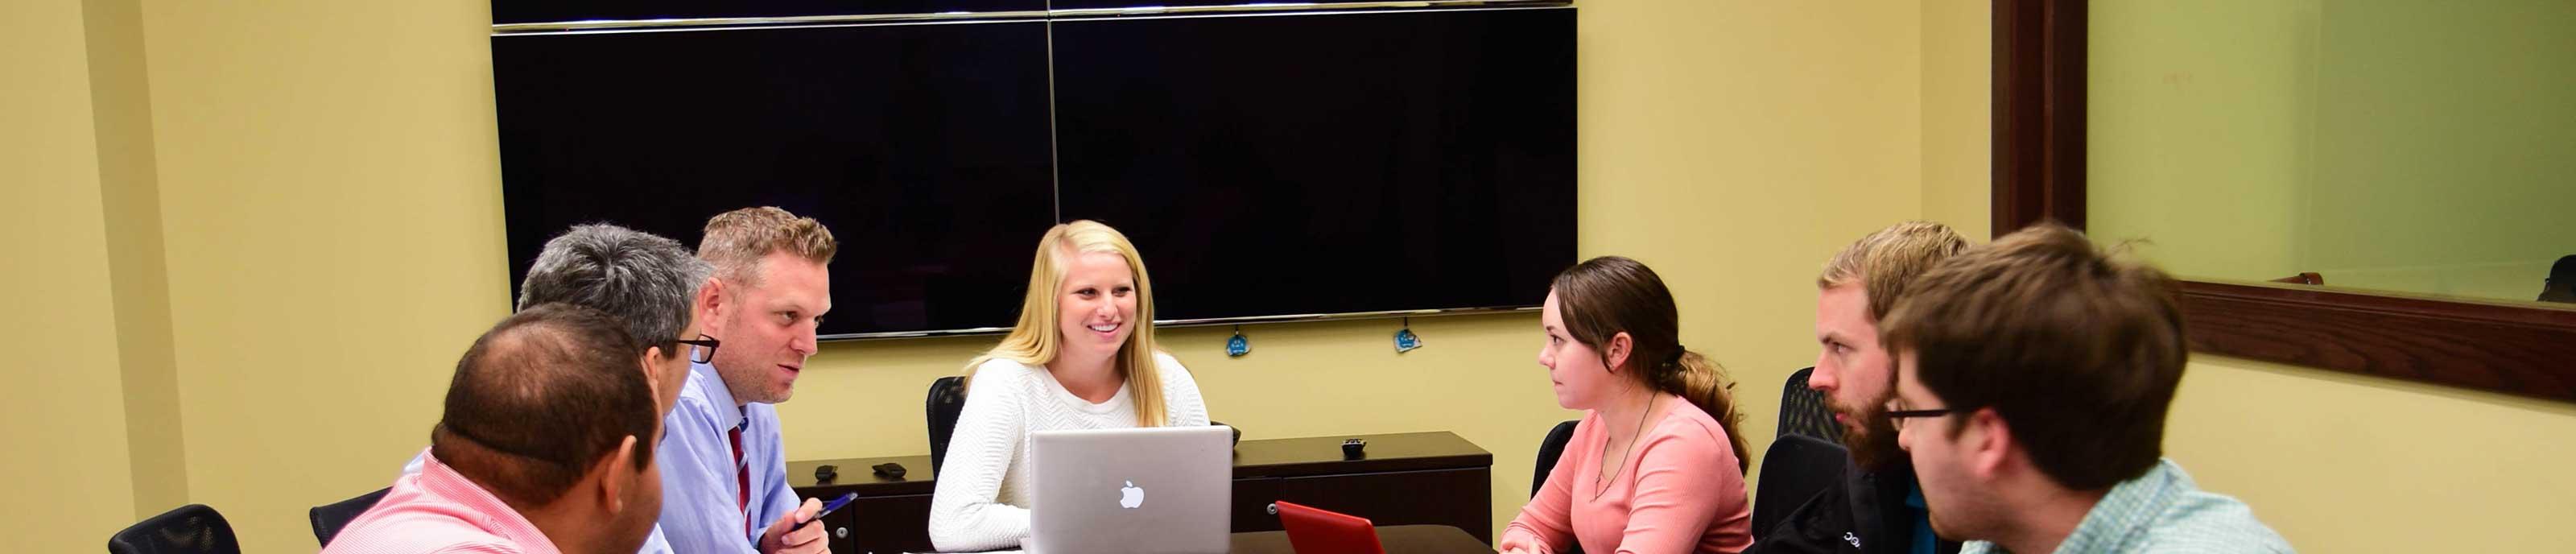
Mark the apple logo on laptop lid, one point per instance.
(1131, 496)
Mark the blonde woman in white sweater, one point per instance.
(1081, 357)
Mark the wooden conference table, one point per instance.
(1403, 480)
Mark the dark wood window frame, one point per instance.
(2038, 155)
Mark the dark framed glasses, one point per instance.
(1896, 418)
(706, 348)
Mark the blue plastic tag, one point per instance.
(1237, 346)
(1405, 341)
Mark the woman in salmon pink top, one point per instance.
(1656, 466)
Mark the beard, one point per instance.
(1873, 441)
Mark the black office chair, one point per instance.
(1803, 411)
(1795, 468)
(947, 396)
(329, 518)
(190, 529)
(1549, 449)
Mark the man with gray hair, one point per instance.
(650, 284)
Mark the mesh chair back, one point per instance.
(329, 518)
(1549, 450)
(1803, 410)
(1794, 470)
(190, 529)
(947, 397)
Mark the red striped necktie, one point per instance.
(742, 478)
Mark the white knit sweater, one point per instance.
(983, 496)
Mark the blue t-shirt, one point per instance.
(1924, 542)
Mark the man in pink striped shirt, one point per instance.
(546, 446)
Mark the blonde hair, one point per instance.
(736, 241)
(1035, 341)
(1885, 261)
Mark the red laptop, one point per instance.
(1314, 530)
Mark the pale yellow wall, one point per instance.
(1734, 146)
(2342, 463)
(62, 414)
(123, 115)
(329, 186)
(330, 202)
(1958, 46)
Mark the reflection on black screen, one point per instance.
(1326, 163)
(924, 148)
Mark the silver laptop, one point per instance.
(1149, 490)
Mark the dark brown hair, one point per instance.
(1605, 296)
(540, 399)
(2079, 353)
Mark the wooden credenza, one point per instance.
(1433, 478)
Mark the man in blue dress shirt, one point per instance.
(724, 481)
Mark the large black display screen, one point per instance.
(1266, 165)
(923, 147)
(1328, 163)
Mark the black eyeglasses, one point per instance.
(1896, 418)
(705, 351)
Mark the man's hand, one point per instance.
(779, 539)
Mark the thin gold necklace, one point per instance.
(1599, 485)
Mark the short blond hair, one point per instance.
(736, 241)
(1885, 261)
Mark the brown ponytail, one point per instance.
(1605, 296)
(1699, 380)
